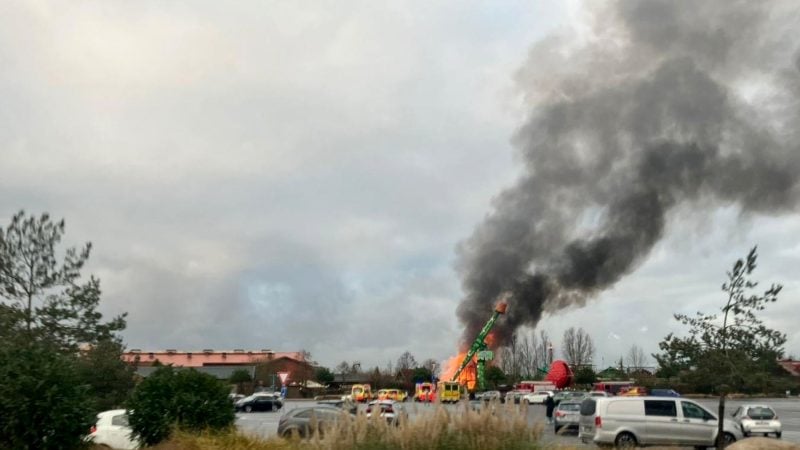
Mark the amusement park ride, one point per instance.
(559, 373)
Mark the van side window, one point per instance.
(120, 420)
(692, 411)
(660, 408)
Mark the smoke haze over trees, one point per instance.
(649, 107)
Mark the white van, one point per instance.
(632, 421)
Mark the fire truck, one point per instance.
(425, 392)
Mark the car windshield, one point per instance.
(760, 413)
(569, 407)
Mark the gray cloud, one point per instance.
(620, 142)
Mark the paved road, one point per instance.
(788, 410)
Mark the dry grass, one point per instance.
(495, 427)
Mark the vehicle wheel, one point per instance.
(728, 439)
(745, 434)
(625, 440)
(248, 408)
(778, 435)
(556, 429)
(291, 433)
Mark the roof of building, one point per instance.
(791, 366)
(207, 357)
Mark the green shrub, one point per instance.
(43, 402)
(185, 398)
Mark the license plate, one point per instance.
(762, 423)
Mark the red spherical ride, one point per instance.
(560, 374)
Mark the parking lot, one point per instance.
(788, 410)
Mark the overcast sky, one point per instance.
(293, 175)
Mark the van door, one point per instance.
(662, 423)
(586, 424)
(699, 424)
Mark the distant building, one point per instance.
(222, 364)
(207, 357)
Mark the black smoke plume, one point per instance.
(648, 105)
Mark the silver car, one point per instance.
(758, 419)
(567, 415)
(632, 421)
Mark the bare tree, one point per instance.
(529, 355)
(636, 358)
(510, 358)
(343, 367)
(432, 365)
(542, 354)
(406, 361)
(578, 348)
(389, 369)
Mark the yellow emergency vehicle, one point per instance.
(450, 391)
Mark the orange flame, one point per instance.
(451, 365)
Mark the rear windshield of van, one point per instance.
(588, 407)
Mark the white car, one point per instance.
(390, 410)
(598, 394)
(758, 419)
(112, 430)
(536, 397)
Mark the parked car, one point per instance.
(598, 394)
(567, 415)
(536, 397)
(343, 404)
(390, 410)
(306, 421)
(514, 396)
(259, 402)
(758, 419)
(664, 393)
(632, 421)
(489, 396)
(235, 397)
(112, 430)
(561, 396)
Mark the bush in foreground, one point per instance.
(43, 402)
(186, 399)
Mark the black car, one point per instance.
(345, 405)
(259, 403)
(304, 422)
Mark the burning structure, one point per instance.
(649, 106)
